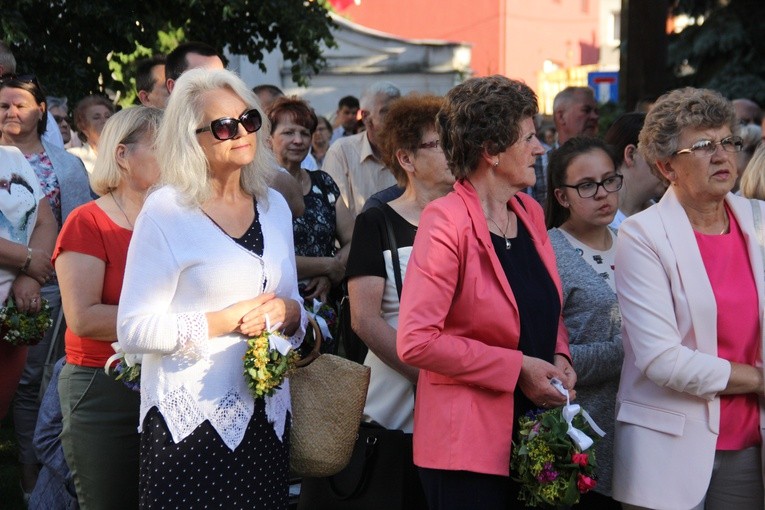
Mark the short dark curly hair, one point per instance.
(482, 114)
(301, 113)
(406, 121)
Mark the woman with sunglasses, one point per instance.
(584, 183)
(326, 220)
(63, 179)
(211, 263)
(100, 414)
(689, 278)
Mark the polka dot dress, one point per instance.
(201, 472)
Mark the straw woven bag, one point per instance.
(328, 396)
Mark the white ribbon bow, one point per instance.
(277, 342)
(580, 439)
(130, 359)
(323, 326)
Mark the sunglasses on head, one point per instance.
(228, 127)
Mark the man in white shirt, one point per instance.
(354, 161)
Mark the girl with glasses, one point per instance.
(584, 183)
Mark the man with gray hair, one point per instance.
(8, 66)
(575, 113)
(354, 161)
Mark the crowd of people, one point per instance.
(484, 254)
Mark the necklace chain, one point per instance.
(121, 210)
(508, 243)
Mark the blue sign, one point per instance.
(606, 86)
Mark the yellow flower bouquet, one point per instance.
(268, 360)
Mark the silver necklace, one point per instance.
(121, 210)
(508, 244)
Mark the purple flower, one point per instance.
(548, 474)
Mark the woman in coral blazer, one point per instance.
(480, 310)
(689, 278)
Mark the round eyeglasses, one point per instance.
(708, 147)
(590, 188)
(228, 127)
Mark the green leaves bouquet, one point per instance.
(553, 460)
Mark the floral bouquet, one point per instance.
(553, 461)
(22, 328)
(268, 360)
(128, 368)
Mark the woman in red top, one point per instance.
(100, 415)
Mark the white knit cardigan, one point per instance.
(181, 265)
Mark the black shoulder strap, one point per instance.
(393, 252)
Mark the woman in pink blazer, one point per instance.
(689, 278)
(480, 310)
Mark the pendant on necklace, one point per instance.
(508, 244)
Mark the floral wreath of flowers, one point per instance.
(24, 328)
(268, 360)
(552, 460)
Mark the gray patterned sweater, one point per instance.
(591, 315)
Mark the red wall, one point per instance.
(565, 31)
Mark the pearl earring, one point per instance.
(496, 164)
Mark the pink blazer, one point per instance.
(459, 324)
(668, 411)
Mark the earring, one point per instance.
(496, 164)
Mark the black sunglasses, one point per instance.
(228, 127)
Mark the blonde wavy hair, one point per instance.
(124, 127)
(181, 159)
(753, 181)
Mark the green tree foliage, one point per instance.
(77, 47)
(725, 51)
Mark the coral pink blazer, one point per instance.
(459, 324)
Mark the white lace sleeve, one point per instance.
(192, 334)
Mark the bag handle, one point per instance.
(54, 339)
(369, 450)
(316, 351)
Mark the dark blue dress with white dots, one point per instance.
(201, 472)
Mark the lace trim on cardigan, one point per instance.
(192, 335)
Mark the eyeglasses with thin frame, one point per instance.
(708, 147)
(590, 188)
(227, 128)
(433, 144)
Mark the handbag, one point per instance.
(328, 396)
(379, 476)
